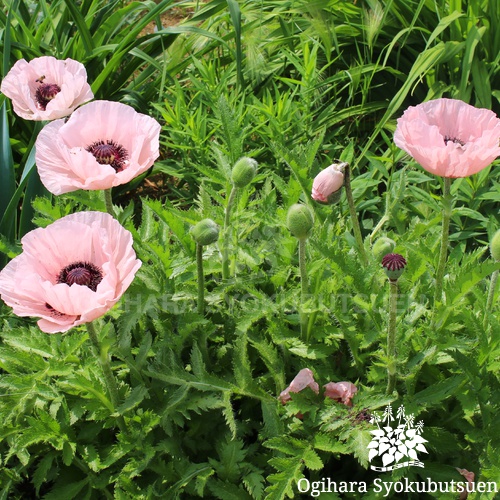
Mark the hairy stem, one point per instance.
(304, 284)
(201, 279)
(354, 216)
(227, 220)
(491, 294)
(108, 201)
(391, 337)
(379, 226)
(109, 378)
(443, 254)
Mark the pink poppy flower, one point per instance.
(103, 144)
(303, 379)
(328, 182)
(448, 137)
(342, 392)
(70, 272)
(46, 88)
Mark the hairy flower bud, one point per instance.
(300, 221)
(394, 265)
(243, 172)
(495, 246)
(382, 247)
(205, 232)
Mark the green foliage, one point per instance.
(295, 85)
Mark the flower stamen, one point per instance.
(45, 92)
(109, 153)
(448, 139)
(81, 273)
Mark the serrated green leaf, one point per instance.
(228, 413)
(68, 453)
(439, 391)
(312, 460)
(70, 490)
(328, 442)
(136, 396)
(42, 470)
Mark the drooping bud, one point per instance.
(243, 172)
(300, 221)
(327, 185)
(394, 265)
(205, 232)
(382, 247)
(495, 246)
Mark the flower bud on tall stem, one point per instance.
(394, 265)
(242, 174)
(300, 222)
(204, 233)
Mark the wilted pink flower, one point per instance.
(328, 182)
(46, 88)
(103, 144)
(470, 482)
(448, 137)
(303, 379)
(342, 392)
(70, 272)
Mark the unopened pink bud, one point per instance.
(328, 183)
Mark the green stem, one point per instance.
(201, 279)
(381, 222)
(491, 294)
(304, 284)
(354, 217)
(109, 378)
(443, 254)
(108, 201)
(391, 337)
(227, 219)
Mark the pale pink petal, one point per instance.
(342, 392)
(63, 169)
(65, 163)
(20, 84)
(448, 137)
(33, 283)
(303, 379)
(327, 182)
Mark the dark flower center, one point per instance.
(109, 153)
(448, 139)
(45, 93)
(81, 273)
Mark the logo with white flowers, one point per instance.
(396, 439)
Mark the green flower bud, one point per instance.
(205, 232)
(495, 246)
(243, 172)
(382, 247)
(300, 221)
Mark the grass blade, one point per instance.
(7, 176)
